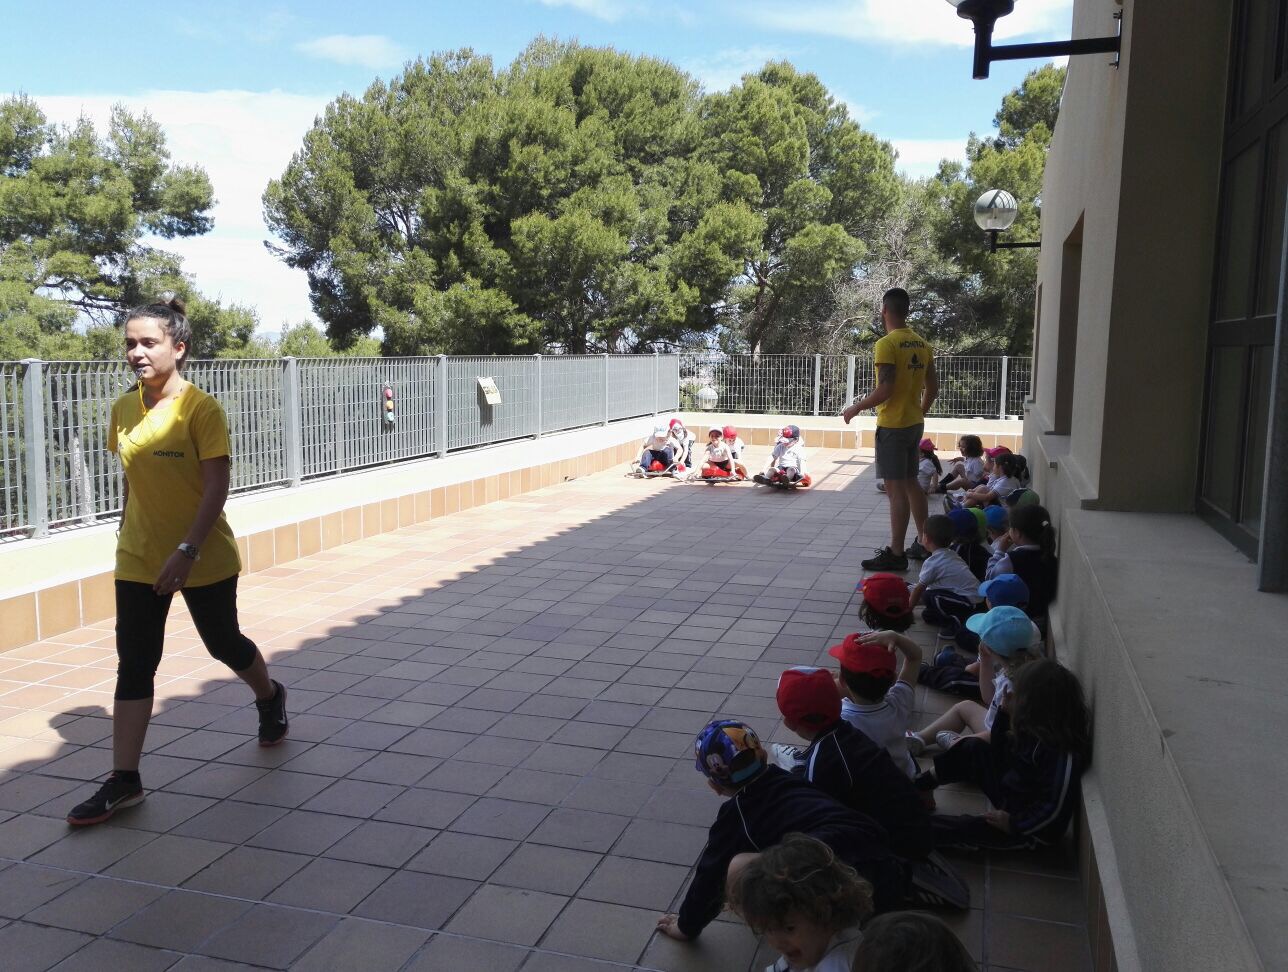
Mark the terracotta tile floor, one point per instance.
(489, 760)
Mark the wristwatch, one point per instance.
(190, 551)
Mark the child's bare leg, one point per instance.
(964, 715)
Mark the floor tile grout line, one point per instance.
(250, 903)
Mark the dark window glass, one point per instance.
(1220, 466)
(1238, 235)
(1258, 426)
(1272, 235)
(1250, 55)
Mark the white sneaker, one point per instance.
(915, 746)
(946, 738)
(786, 757)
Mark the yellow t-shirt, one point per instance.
(161, 452)
(910, 356)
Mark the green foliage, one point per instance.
(580, 200)
(973, 300)
(74, 210)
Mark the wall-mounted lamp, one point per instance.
(984, 13)
(995, 211)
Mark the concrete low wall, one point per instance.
(831, 432)
(64, 581)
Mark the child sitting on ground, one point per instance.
(1003, 481)
(950, 672)
(805, 901)
(967, 543)
(997, 522)
(946, 584)
(910, 941)
(787, 461)
(850, 767)
(1029, 552)
(967, 470)
(847, 765)
(718, 460)
(682, 441)
(929, 471)
(658, 454)
(875, 700)
(764, 804)
(736, 449)
(1007, 640)
(885, 604)
(1029, 767)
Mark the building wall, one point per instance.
(1133, 179)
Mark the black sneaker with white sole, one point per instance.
(916, 551)
(116, 794)
(935, 884)
(273, 724)
(886, 559)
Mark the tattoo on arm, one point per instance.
(885, 374)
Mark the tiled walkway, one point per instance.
(489, 765)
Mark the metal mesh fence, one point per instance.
(572, 391)
(632, 386)
(251, 395)
(14, 515)
(342, 423)
(970, 386)
(471, 421)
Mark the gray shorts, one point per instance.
(897, 452)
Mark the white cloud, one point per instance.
(905, 22)
(242, 139)
(723, 69)
(920, 157)
(373, 51)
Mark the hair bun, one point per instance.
(177, 304)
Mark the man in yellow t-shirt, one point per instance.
(906, 388)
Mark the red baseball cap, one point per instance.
(996, 451)
(886, 593)
(809, 695)
(875, 660)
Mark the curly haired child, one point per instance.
(805, 901)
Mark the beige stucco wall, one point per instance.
(1158, 615)
(1136, 156)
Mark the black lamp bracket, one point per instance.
(994, 246)
(986, 53)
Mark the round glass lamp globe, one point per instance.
(996, 210)
(707, 398)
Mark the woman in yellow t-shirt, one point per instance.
(172, 439)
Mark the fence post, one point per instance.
(440, 406)
(33, 417)
(606, 412)
(292, 420)
(657, 380)
(1001, 407)
(849, 379)
(540, 418)
(818, 377)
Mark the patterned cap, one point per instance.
(729, 752)
(791, 432)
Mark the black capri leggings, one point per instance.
(140, 631)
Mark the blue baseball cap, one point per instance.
(964, 523)
(1006, 630)
(996, 517)
(1005, 589)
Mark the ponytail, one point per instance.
(1033, 523)
(935, 459)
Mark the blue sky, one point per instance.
(236, 84)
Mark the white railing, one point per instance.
(295, 419)
(970, 386)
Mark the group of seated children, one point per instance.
(977, 478)
(670, 450)
(809, 843)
